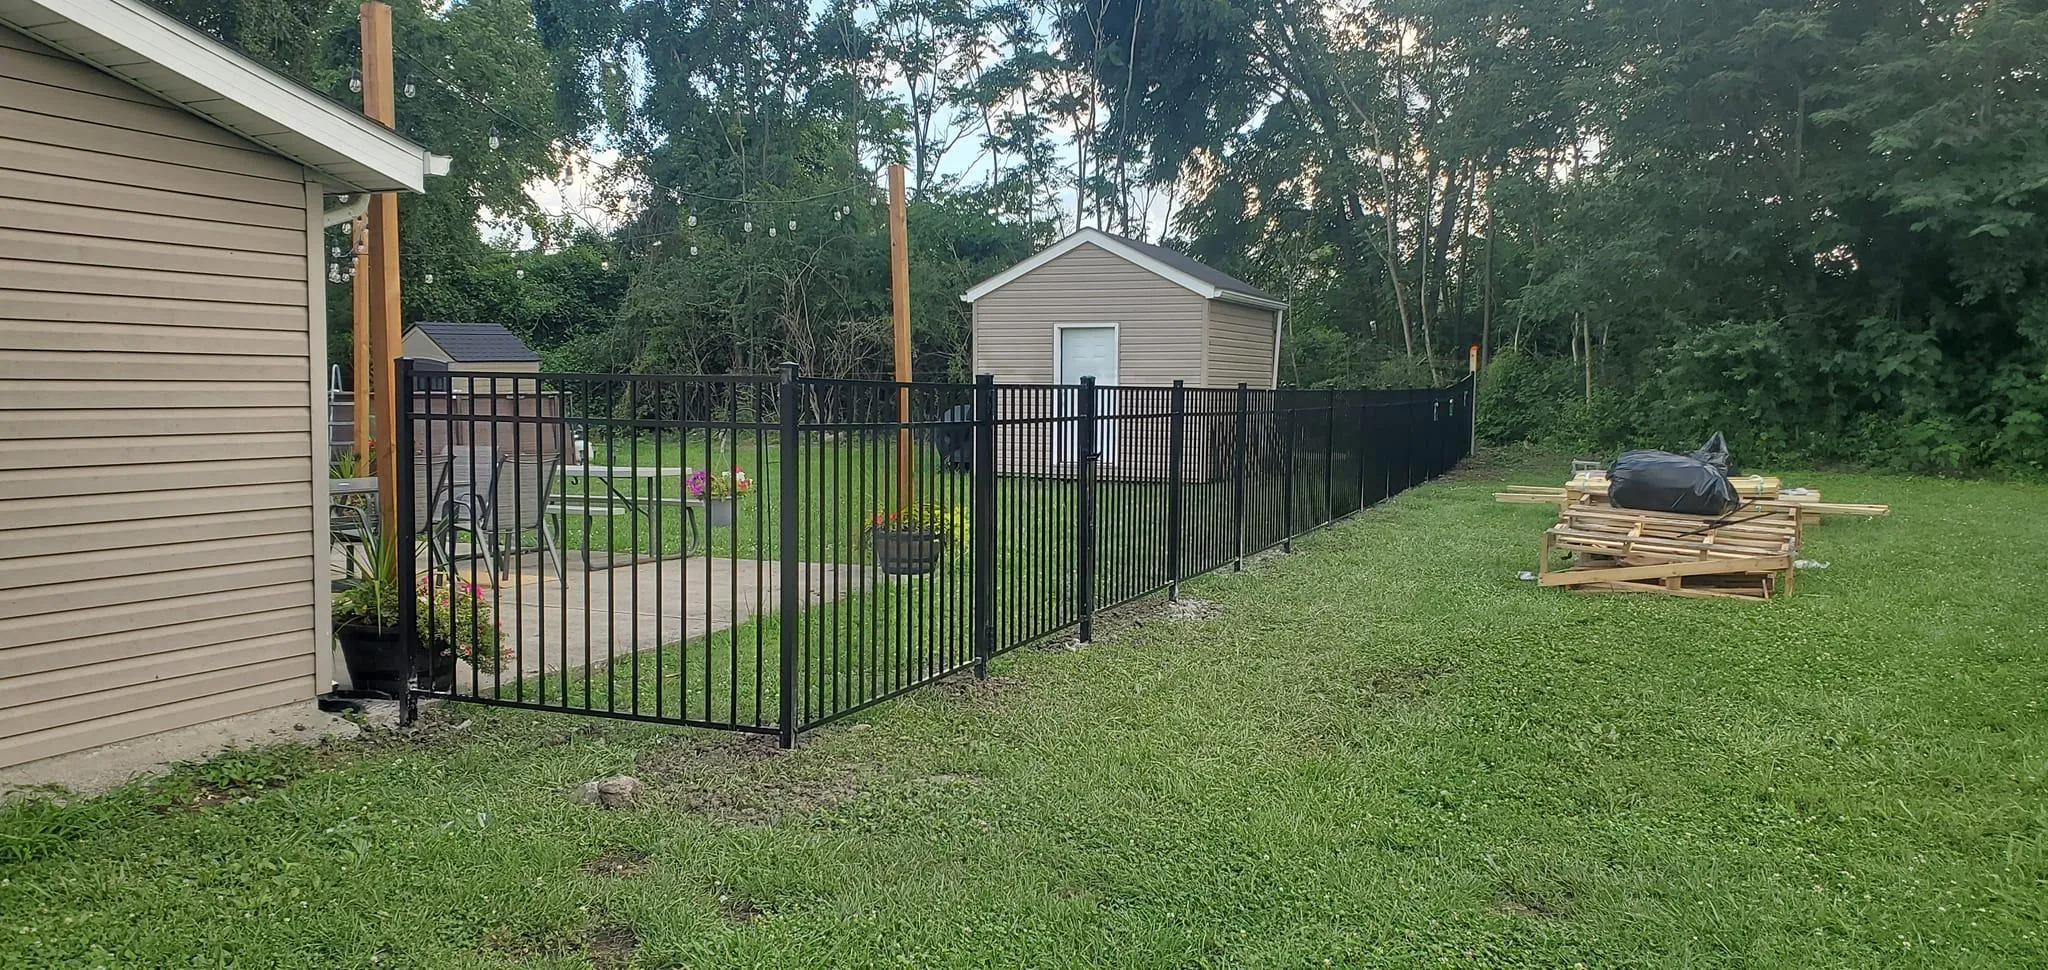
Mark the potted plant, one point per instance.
(910, 541)
(454, 623)
(718, 493)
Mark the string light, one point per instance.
(693, 250)
(410, 89)
(430, 279)
(693, 220)
(747, 226)
(520, 273)
(792, 225)
(494, 139)
(355, 81)
(771, 232)
(605, 264)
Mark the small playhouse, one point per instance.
(1135, 317)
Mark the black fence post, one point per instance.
(786, 508)
(1289, 433)
(1176, 507)
(1244, 445)
(984, 524)
(407, 552)
(1085, 507)
(1330, 455)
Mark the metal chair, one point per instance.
(462, 499)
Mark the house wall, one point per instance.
(159, 546)
(1160, 340)
(1240, 345)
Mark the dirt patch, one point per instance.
(692, 754)
(611, 946)
(977, 690)
(1535, 902)
(736, 906)
(1403, 682)
(1187, 608)
(764, 800)
(618, 863)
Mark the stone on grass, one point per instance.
(616, 791)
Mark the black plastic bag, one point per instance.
(1715, 453)
(1659, 481)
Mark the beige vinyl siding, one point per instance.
(158, 486)
(1240, 345)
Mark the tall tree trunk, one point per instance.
(1486, 308)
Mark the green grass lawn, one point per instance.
(1383, 751)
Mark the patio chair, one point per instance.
(462, 492)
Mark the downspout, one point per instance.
(355, 207)
(1279, 325)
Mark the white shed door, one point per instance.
(1091, 352)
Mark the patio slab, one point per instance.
(640, 606)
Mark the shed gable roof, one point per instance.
(154, 51)
(472, 343)
(1179, 268)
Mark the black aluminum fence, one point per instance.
(770, 554)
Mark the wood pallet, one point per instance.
(1806, 501)
(1746, 555)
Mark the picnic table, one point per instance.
(644, 504)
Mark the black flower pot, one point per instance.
(375, 658)
(376, 661)
(907, 553)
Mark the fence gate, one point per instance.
(768, 554)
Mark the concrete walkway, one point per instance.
(634, 607)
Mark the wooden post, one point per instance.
(359, 335)
(380, 104)
(899, 293)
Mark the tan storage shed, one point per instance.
(1126, 313)
(163, 474)
(472, 347)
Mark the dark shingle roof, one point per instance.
(473, 342)
(1195, 268)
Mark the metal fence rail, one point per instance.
(770, 554)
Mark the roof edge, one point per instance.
(1089, 235)
(115, 36)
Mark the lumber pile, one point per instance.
(1743, 555)
(1757, 491)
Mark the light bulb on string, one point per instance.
(771, 232)
(747, 226)
(692, 221)
(495, 141)
(333, 273)
(605, 264)
(355, 81)
(520, 273)
(837, 215)
(792, 225)
(430, 278)
(410, 89)
(693, 250)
